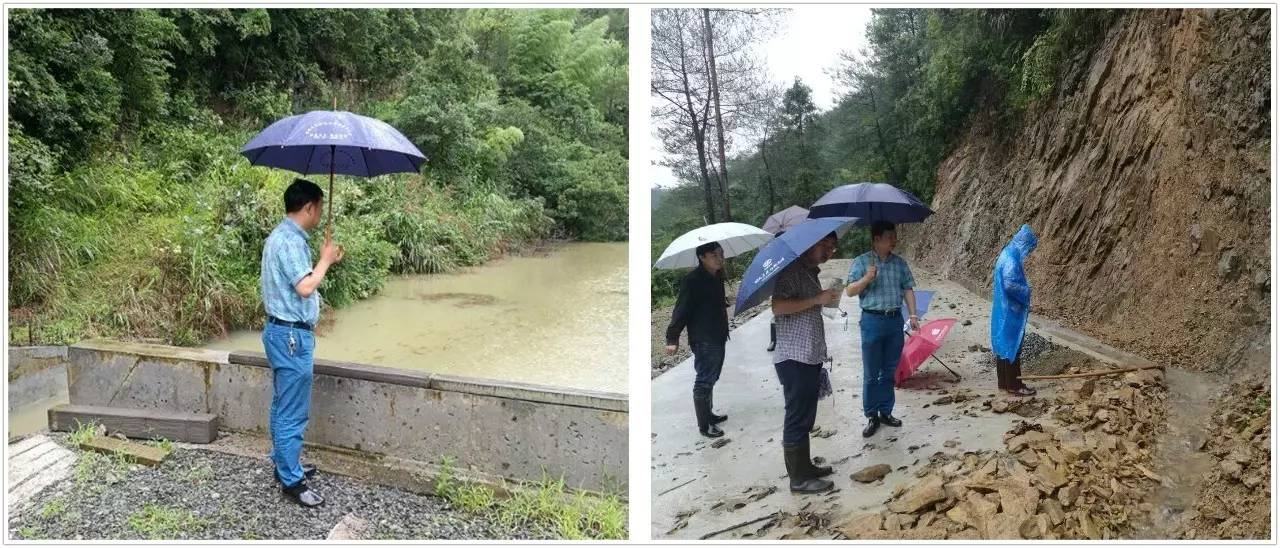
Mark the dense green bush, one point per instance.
(131, 213)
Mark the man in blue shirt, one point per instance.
(292, 302)
(882, 281)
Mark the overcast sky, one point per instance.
(808, 43)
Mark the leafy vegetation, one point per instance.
(159, 522)
(927, 77)
(132, 215)
(546, 506)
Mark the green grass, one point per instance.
(159, 522)
(546, 506)
(53, 508)
(28, 533)
(83, 433)
(198, 474)
(96, 471)
(164, 444)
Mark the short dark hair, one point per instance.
(832, 236)
(300, 193)
(878, 228)
(706, 248)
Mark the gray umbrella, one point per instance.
(785, 219)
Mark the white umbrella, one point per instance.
(735, 238)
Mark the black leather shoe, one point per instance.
(888, 420)
(308, 472)
(712, 431)
(873, 424)
(303, 495)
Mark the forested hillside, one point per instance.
(131, 213)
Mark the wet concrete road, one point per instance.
(739, 473)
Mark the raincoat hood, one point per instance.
(1023, 243)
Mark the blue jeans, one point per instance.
(291, 370)
(708, 359)
(882, 341)
(800, 394)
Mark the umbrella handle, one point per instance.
(333, 150)
(328, 229)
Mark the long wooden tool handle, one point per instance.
(1090, 374)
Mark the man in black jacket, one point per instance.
(701, 307)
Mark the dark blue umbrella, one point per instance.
(757, 283)
(334, 142)
(871, 202)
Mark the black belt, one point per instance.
(298, 325)
(894, 312)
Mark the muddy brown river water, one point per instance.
(557, 319)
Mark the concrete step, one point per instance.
(138, 423)
(35, 462)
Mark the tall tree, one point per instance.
(715, 100)
(679, 80)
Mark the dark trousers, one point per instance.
(708, 359)
(800, 391)
(1007, 373)
(882, 342)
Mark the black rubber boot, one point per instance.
(711, 408)
(702, 408)
(802, 482)
(773, 336)
(873, 424)
(888, 420)
(812, 469)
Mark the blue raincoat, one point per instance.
(1011, 295)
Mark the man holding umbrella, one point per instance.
(292, 300)
(322, 141)
(787, 269)
(882, 281)
(798, 299)
(700, 306)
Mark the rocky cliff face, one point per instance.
(1147, 179)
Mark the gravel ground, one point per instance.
(221, 496)
(1033, 348)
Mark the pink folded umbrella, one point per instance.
(920, 346)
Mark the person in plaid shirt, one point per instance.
(798, 299)
(882, 281)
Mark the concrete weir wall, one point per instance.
(493, 429)
(36, 374)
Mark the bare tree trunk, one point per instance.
(715, 98)
(768, 176)
(699, 135)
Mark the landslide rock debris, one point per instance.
(1080, 471)
(1234, 501)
